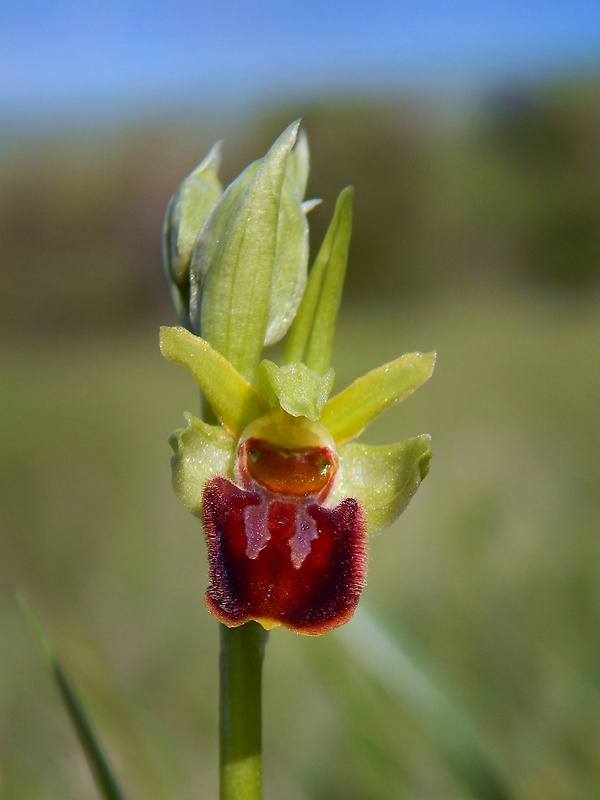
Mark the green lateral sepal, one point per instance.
(295, 387)
(231, 397)
(348, 413)
(382, 478)
(200, 452)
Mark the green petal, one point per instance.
(186, 212)
(382, 478)
(310, 338)
(238, 287)
(233, 400)
(347, 414)
(201, 451)
(295, 387)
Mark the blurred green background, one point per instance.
(474, 668)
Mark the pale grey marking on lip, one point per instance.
(256, 525)
(306, 532)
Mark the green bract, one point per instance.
(186, 212)
(311, 336)
(236, 261)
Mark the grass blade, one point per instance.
(99, 766)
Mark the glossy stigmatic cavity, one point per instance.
(297, 471)
(276, 554)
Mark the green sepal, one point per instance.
(238, 284)
(231, 397)
(348, 413)
(382, 478)
(295, 387)
(201, 451)
(310, 339)
(186, 212)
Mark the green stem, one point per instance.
(242, 652)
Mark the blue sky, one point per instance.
(57, 57)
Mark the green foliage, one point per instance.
(545, 142)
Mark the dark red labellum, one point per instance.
(304, 566)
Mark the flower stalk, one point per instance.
(240, 711)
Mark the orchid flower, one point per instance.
(287, 499)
